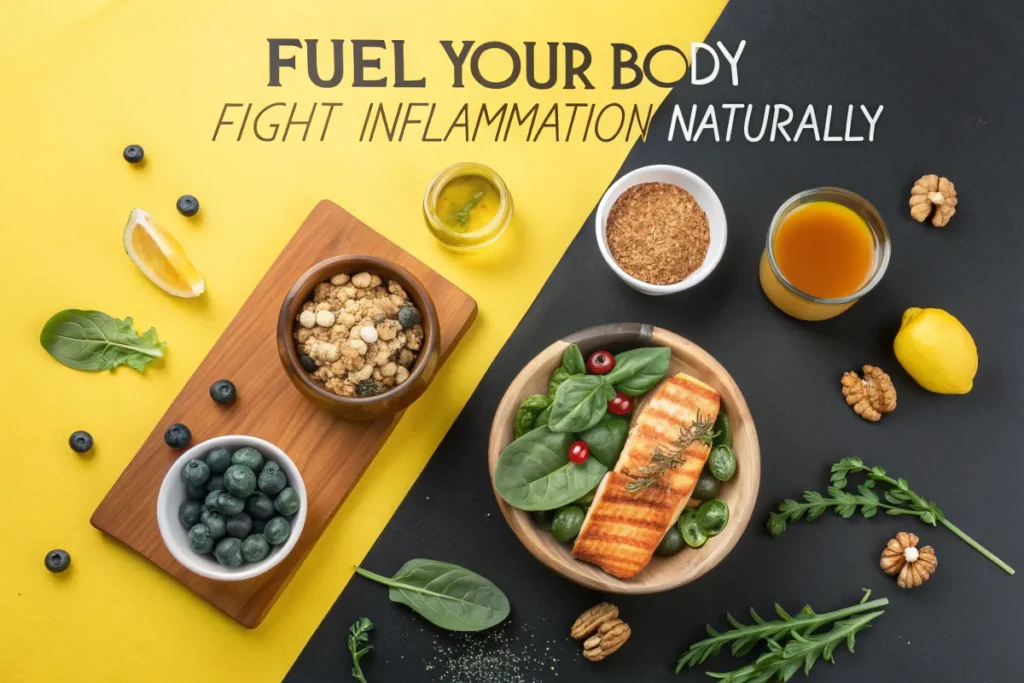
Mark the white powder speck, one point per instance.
(492, 657)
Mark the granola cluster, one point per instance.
(359, 335)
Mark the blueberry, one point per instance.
(195, 472)
(228, 505)
(229, 552)
(260, 507)
(177, 436)
(409, 316)
(257, 526)
(189, 513)
(277, 531)
(216, 523)
(80, 442)
(287, 502)
(187, 205)
(248, 456)
(57, 561)
(240, 481)
(200, 539)
(210, 503)
(223, 391)
(255, 548)
(197, 492)
(219, 459)
(271, 479)
(214, 483)
(133, 154)
(240, 525)
(307, 363)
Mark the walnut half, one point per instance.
(929, 193)
(902, 557)
(871, 396)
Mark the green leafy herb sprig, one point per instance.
(792, 641)
(359, 645)
(899, 499)
(462, 215)
(667, 458)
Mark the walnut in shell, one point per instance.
(870, 396)
(610, 636)
(912, 565)
(933, 196)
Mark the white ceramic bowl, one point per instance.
(173, 494)
(701, 191)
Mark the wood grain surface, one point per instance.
(663, 573)
(332, 454)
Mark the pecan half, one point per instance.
(592, 619)
(610, 636)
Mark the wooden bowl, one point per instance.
(663, 573)
(384, 405)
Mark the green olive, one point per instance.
(689, 529)
(586, 499)
(712, 517)
(672, 543)
(722, 463)
(567, 523)
(707, 486)
(543, 519)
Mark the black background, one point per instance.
(949, 75)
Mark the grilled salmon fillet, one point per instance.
(664, 454)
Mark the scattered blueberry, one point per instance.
(223, 391)
(187, 205)
(58, 560)
(307, 363)
(133, 154)
(409, 316)
(177, 436)
(80, 442)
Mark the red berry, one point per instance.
(600, 363)
(579, 451)
(621, 404)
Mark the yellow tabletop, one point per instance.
(80, 80)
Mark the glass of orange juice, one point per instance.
(826, 248)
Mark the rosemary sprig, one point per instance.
(742, 638)
(359, 645)
(782, 661)
(462, 215)
(900, 500)
(666, 458)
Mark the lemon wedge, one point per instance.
(159, 256)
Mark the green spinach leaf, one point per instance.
(91, 340)
(557, 377)
(446, 595)
(572, 361)
(534, 472)
(529, 410)
(606, 439)
(638, 371)
(543, 418)
(579, 403)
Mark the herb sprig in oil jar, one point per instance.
(467, 207)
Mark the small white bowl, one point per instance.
(173, 494)
(701, 191)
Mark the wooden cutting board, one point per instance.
(331, 454)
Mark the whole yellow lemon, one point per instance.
(937, 351)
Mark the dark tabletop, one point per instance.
(949, 75)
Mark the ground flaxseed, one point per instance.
(658, 233)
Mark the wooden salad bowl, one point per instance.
(740, 493)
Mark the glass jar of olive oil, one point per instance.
(467, 207)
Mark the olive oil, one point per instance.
(825, 249)
(468, 203)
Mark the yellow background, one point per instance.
(82, 79)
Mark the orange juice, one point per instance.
(824, 249)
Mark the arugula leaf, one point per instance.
(93, 341)
(446, 595)
(359, 645)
